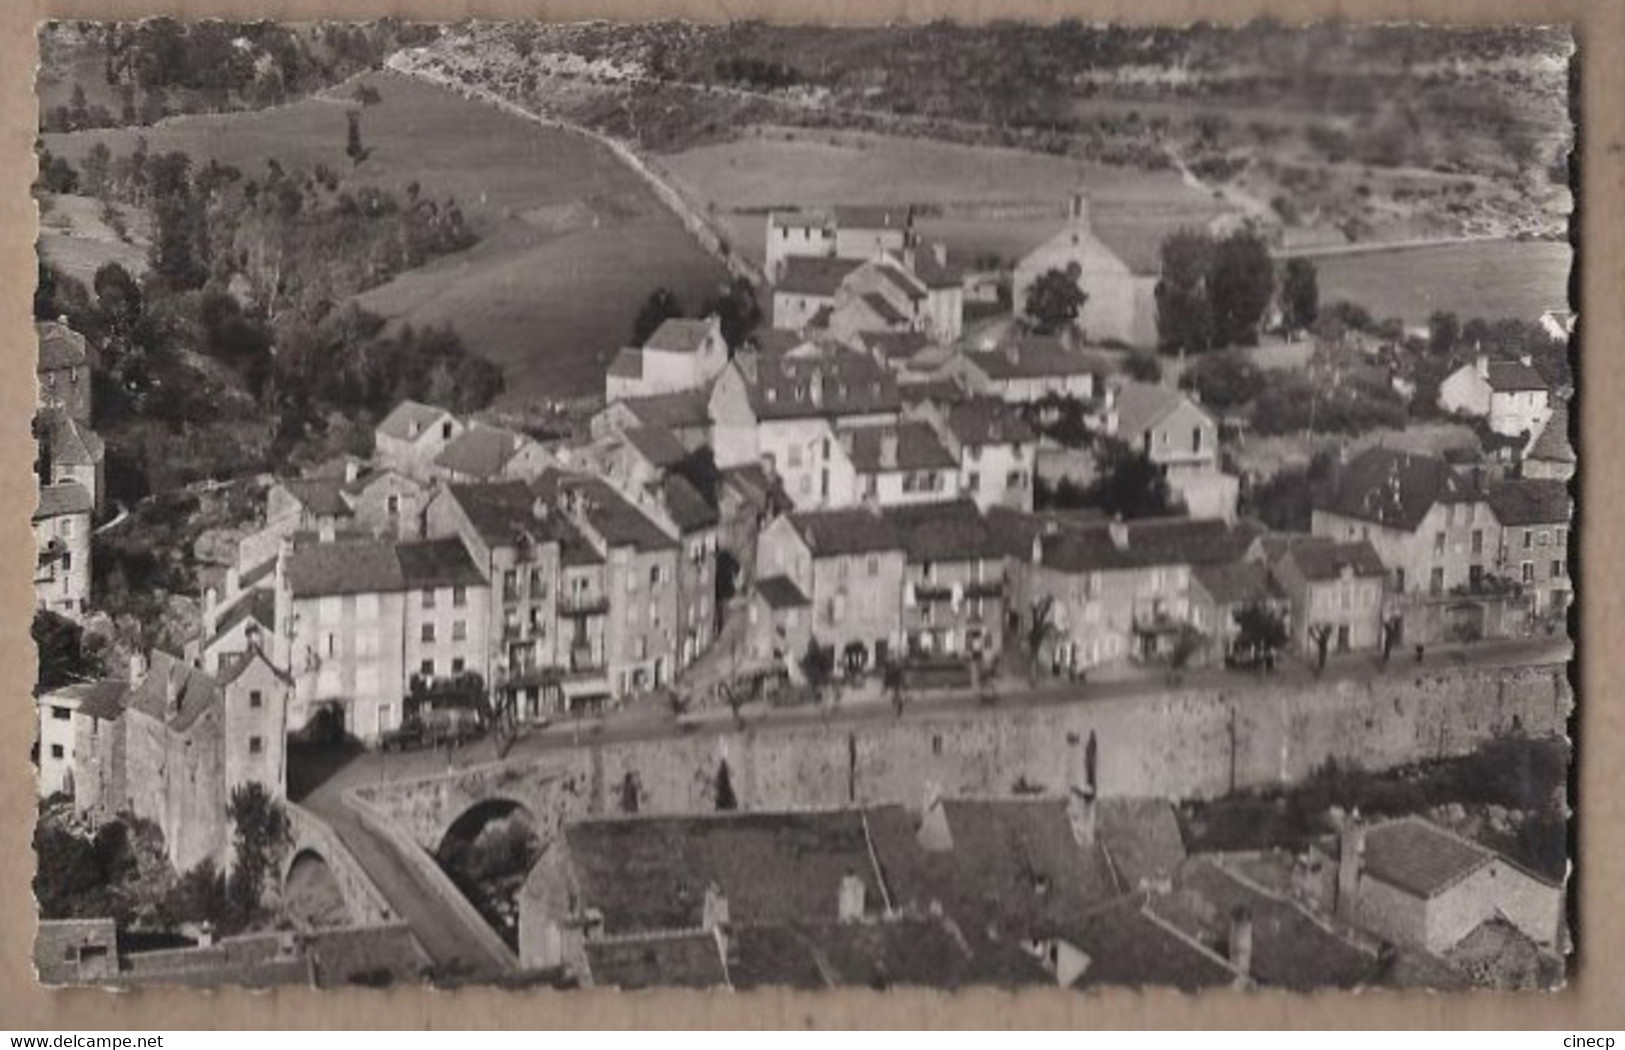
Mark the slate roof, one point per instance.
(437, 563)
(988, 421)
(1141, 406)
(679, 959)
(1169, 541)
(1531, 501)
(1030, 357)
(690, 511)
(619, 522)
(1237, 582)
(61, 499)
(847, 383)
(917, 448)
(1141, 838)
(70, 443)
(1419, 857)
(1013, 865)
(835, 533)
(901, 279)
(59, 346)
(254, 655)
(102, 699)
(911, 951)
(940, 391)
(350, 567)
(1552, 441)
(197, 691)
(953, 530)
(934, 274)
(258, 604)
(1394, 488)
(499, 511)
(627, 364)
(1290, 948)
(681, 335)
(1326, 561)
(657, 445)
(676, 411)
(1129, 946)
(781, 592)
(649, 874)
(1511, 377)
(399, 423)
(895, 346)
(815, 276)
(882, 308)
(321, 496)
(479, 452)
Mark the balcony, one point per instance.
(932, 592)
(984, 589)
(583, 604)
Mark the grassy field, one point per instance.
(777, 167)
(75, 240)
(1490, 279)
(572, 242)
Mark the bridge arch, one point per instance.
(488, 851)
(313, 895)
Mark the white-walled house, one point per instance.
(1511, 395)
(682, 354)
(412, 435)
(1120, 284)
(1028, 369)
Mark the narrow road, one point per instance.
(456, 952)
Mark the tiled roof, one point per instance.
(1172, 541)
(1237, 582)
(1290, 948)
(196, 691)
(680, 959)
(1141, 406)
(1531, 501)
(1141, 838)
(1552, 441)
(901, 280)
(946, 532)
(676, 411)
(479, 452)
(1389, 487)
(1031, 357)
(71, 443)
(895, 346)
(1129, 947)
(254, 655)
(1420, 857)
(657, 445)
(409, 419)
(499, 511)
(1326, 560)
(258, 604)
(681, 335)
(939, 391)
(1016, 529)
(914, 446)
(628, 364)
(322, 496)
(59, 346)
(1510, 377)
(910, 951)
(437, 563)
(353, 567)
(102, 699)
(828, 381)
(781, 592)
(690, 511)
(815, 276)
(651, 873)
(882, 308)
(988, 421)
(833, 533)
(614, 517)
(61, 499)
(936, 274)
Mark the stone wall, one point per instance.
(1180, 744)
(366, 904)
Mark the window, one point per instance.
(255, 745)
(428, 597)
(1399, 580)
(654, 576)
(1528, 572)
(974, 452)
(56, 751)
(426, 669)
(1528, 538)
(973, 481)
(1438, 543)
(1450, 514)
(427, 633)
(392, 505)
(67, 528)
(1436, 581)
(1560, 536)
(459, 597)
(1540, 540)
(256, 699)
(61, 714)
(1558, 569)
(538, 584)
(874, 565)
(826, 448)
(332, 644)
(641, 650)
(1196, 439)
(459, 631)
(445, 430)
(457, 665)
(1014, 480)
(1478, 541)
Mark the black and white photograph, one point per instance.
(751, 505)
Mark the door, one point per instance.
(1342, 637)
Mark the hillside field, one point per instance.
(1490, 279)
(571, 241)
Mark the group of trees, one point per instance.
(734, 303)
(1129, 485)
(1213, 292)
(1055, 300)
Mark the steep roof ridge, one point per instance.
(1219, 863)
(1194, 944)
(874, 861)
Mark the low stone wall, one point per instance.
(1178, 744)
(366, 903)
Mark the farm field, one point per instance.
(779, 168)
(1490, 279)
(571, 243)
(75, 240)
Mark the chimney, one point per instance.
(1482, 364)
(1241, 940)
(939, 252)
(1350, 864)
(888, 447)
(211, 598)
(352, 470)
(934, 835)
(1081, 813)
(1118, 529)
(850, 899)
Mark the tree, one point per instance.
(259, 835)
(1040, 629)
(1241, 284)
(1260, 632)
(1224, 381)
(726, 800)
(66, 657)
(1130, 485)
(1187, 643)
(1055, 299)
(353, 147)
(1300, 295)
(93, 175)
(1184, 310)
(1143, 367)
(1321, 635)
(1444, 331)
(661, 306)
(1392, 627)
(736, 307)
(818, 664)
